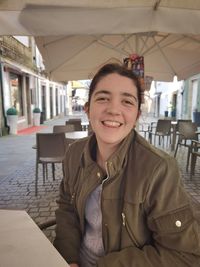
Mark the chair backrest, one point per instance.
(179, 122)
(163, 126)
(50, 144)
(187, 130)
(76, 123)
(63, 128)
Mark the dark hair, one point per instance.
(118, 69)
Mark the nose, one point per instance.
(113, 107)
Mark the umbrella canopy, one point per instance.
(76, 37)
(79, 57)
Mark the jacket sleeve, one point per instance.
(68, 235)
(170, 218)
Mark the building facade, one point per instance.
(176, 99)
(24, 84)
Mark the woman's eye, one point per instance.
(102, 99)
(128, 102)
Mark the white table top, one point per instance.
(76, 134)
(22, 243)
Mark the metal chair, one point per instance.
(163, 128)
(51, 148)
(178, 125)
(144, 128)
(76, 123)
(187, 132)
(63, 128)
(195, 152)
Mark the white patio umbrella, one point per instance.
(76, 37)
(78, 57)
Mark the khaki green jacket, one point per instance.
(146, 213)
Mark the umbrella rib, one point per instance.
(156, 5)
(57, 40)
(163, 54)
(152, 46)
(126, 39)
(121, 51)
(160, 42)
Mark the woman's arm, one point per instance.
(68, 235)
(175, 230)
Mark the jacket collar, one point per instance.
(116, 162)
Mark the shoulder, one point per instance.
(146, 151)
(151, 165)
(75, 150)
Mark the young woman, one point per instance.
(121, 200)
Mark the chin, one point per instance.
(112, 139)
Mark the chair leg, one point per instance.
(193, 163)
(36, 179)
(176, 150)
(46, 170)
(188, 159)
(63, 169)
(159, 140)
(53, 171)
(43, 171)
(163, 141)
(150, 137)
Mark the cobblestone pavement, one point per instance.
(17, 186)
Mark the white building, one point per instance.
(25, 87)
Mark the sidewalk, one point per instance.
(17, 177)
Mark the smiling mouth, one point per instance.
(113, 124)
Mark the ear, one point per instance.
(138, 115)
(86, 108)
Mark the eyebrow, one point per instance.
(123, 94)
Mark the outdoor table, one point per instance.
(76, 134)
(24, 244)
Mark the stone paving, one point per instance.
(17, 186)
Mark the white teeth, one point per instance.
(112, 123)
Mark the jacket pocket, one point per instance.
(126, 225)
(177, 230)
(172, 222)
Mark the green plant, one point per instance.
(36, 110)
(12, 111)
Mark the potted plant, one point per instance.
(166, 113)
(173, 112)
(12, 118)
(36, 116)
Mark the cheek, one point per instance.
(132, 118)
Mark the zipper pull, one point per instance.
(123, 219)
(72, 198)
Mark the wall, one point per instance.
(191, 96)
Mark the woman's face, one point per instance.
(113, 109)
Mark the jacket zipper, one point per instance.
(104, 225)
(130, 233)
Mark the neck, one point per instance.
(103, 154)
